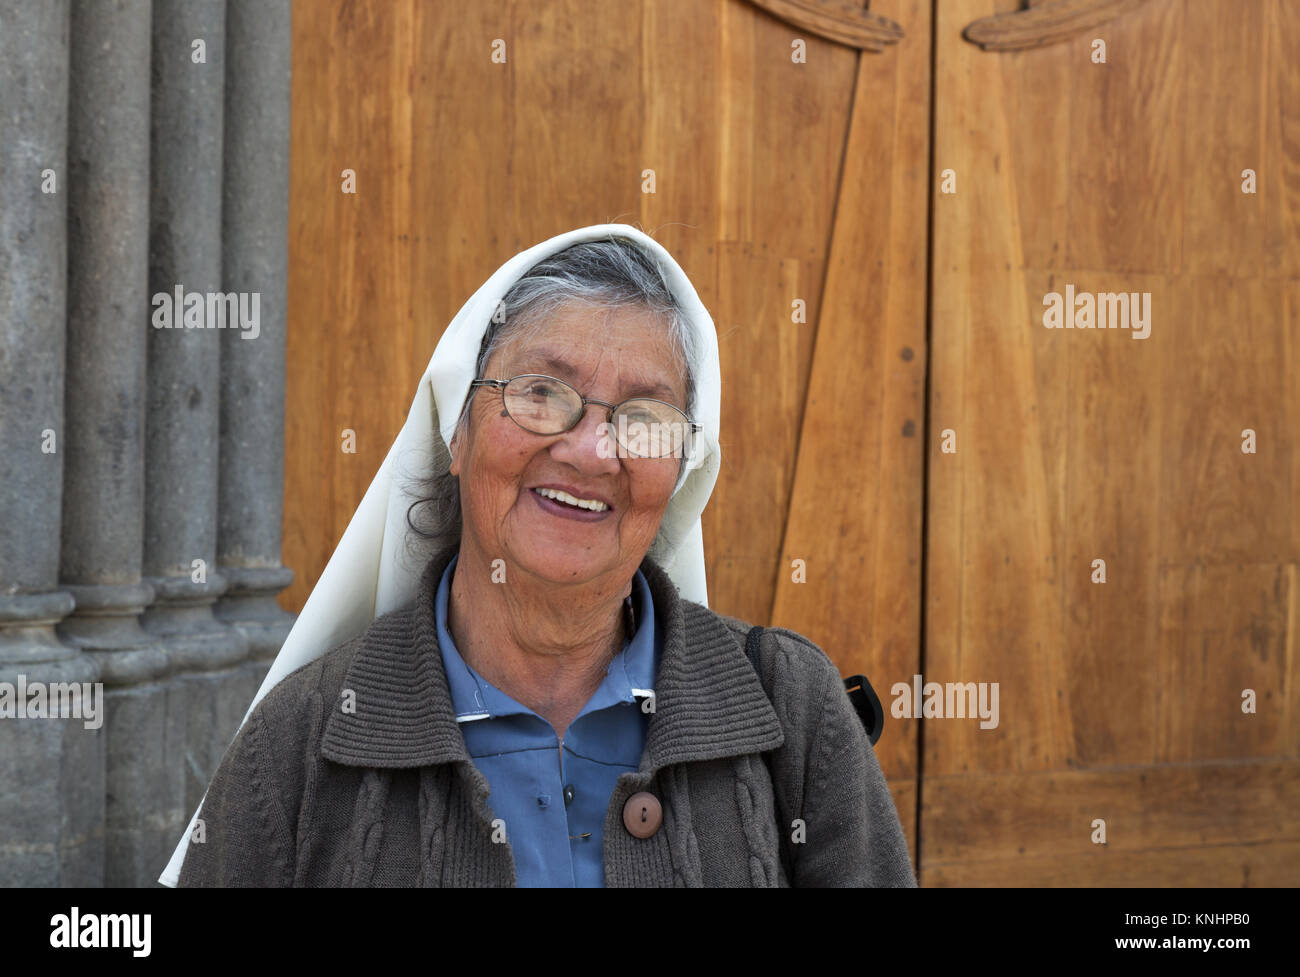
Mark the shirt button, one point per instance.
(568, 794)
(642, 815)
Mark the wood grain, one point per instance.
(990, 828)
(778, 181)
(856, 505)
(1044, 22)
(1079, 445)
(837, 20)
(462, 162)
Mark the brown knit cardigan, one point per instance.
(385, 794)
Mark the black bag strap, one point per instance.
(865, 701)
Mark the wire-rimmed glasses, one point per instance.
(643, 427)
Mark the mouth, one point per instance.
(558, 502)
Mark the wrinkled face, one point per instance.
(606, 354)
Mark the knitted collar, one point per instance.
(709, 703)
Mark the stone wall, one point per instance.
(144, 158)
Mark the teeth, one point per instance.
(592, 504)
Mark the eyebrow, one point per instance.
(640, 387)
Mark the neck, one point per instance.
(544, 644)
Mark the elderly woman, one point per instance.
(548, 701)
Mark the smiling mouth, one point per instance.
(559, 507)
(564, 498)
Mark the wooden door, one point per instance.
(1121, 702)
(789, 153)
(917, 474)
(848, 573)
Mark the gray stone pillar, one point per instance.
(184, 411)
(52, 770)
(108, 322)
(255, 257)
(103, 502)
(184, 407)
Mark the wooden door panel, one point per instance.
(1210, 824)
(778, 181)
(462, 161)
(856, 506)
(1120, 701)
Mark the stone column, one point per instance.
(103, 502)
(255, 258)
(184, 406)
(52, 770)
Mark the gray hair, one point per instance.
(611, 273)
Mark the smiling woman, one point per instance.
(549, 637)
(541, 696)
(551, 321)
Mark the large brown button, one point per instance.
(643, 814)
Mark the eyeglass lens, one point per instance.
(643, 428)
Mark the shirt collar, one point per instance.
(709, 702)
(629, 677)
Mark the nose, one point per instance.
(588, 448)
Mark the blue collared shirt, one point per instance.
(553, 797)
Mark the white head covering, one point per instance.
(373, 571)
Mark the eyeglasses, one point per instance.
(643, 427)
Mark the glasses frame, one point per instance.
(691, 426)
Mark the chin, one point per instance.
(564, 566)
